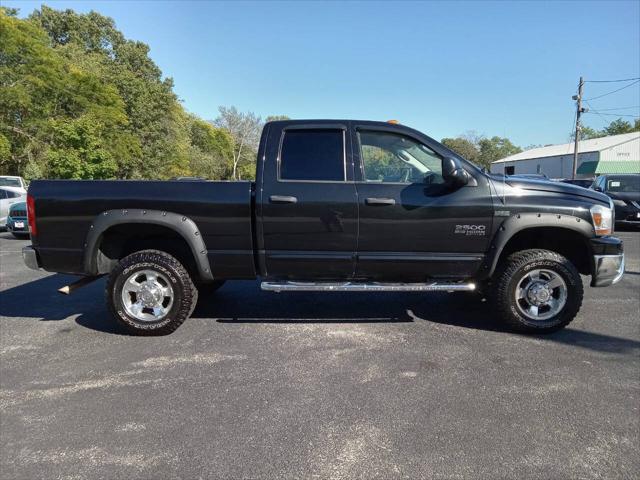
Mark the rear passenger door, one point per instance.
(308, 203)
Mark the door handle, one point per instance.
(379, 201)
(282, 199)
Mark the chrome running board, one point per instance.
(366, 287)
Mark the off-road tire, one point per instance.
(185, 293)
(511, 271)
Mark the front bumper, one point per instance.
(608, 261)
(30, 257)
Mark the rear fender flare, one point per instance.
(525, 221)
(181, 224)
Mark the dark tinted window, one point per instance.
(3, 194)
(316, 154)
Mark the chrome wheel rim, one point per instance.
(147, 295)
(541, 294)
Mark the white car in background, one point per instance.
(13, 181)
(9, 196)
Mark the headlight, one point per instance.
(602, 219)
(620, 203)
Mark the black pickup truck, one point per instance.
(337, 205)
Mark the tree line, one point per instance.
(78, 100)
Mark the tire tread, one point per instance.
(189, 291)
(510, 267)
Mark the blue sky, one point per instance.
(499, 68)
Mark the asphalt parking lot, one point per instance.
(261, 385)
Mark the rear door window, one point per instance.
(312, 155)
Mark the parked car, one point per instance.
(624, 191)
(9, 196)
(533, 176)
(13, 181)
(337, 205)
(584, 183)
(17, 222)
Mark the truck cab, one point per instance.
(366, 201)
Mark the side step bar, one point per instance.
(366, 287)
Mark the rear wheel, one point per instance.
(150, 293)
(537, 291)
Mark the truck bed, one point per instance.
(221, 210)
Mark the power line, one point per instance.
(613, 114)
(597, 113)
(614, 91)
(612, 81)
(618, 108)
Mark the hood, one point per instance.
(554, 187)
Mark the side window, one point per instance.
(313, 154)
(3, 194)
(392, 158)
(12, 194)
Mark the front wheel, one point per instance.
(150, 293)
(537, 291)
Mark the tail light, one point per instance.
(31, 214)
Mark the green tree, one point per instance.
(5, 149)
(80, 150)
(275, 118)
(39, 88)
(155, 119)
(495, 148)
(620, 126)
(462, 147)
(244, 128)
(616, 127)
(587, 133)
(212, 150)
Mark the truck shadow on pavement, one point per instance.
(244, 303)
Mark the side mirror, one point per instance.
(453, 173)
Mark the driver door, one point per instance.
(412, 225)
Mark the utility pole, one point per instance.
(579, 111)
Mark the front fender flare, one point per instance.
(180, 224)
(525, 221)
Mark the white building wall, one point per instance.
(560, 166)
(629, 151)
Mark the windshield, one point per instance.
(10, 182)
(624, 184)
